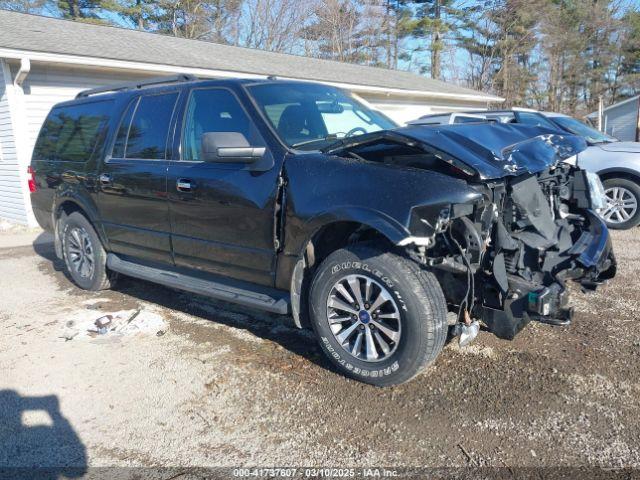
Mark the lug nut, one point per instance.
(366, 305)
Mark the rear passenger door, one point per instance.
(132, 196)
(222, 214)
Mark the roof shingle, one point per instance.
(50, 35)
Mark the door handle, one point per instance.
(184, 185)
(105, 179)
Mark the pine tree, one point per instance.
(139, 13)
(85, 10)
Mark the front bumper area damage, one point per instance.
(522, 222)
(508, 261)
(543, 296)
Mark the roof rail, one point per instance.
(183, 77)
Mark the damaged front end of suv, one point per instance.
(505, 256)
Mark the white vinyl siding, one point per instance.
(12, 190)
(621, 121)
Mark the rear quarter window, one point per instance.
(73, 133)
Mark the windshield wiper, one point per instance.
(307, 142)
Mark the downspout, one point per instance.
(23, 72)
(20, 126)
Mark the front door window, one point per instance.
(213, 110)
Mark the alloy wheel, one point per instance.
(80, 252)
(364, 318)
(621, 205)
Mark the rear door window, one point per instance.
(73, 133)
(144, 129)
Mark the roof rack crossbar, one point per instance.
(183, 77)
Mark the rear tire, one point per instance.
(84, 256)
(623, 199)
(398, 337)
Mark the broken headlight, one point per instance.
(596, 191)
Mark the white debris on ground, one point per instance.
(89, 324)
(5, 225)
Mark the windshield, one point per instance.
(525, 118)
(310, 116)
(590, 134)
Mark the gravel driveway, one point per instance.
(221, 385)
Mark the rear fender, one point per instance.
(69, 198)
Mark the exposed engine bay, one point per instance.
(505, 257)
(507, 262)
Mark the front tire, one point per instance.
(378, 316)
(623, 203)
(84, 257)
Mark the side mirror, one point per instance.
(229, 147)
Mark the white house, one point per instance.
(44, 61)
(621, 120)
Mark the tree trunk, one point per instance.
(74, 9)
(388, 34)
(436, 42)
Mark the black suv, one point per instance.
(296, 197)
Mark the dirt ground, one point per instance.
(227, 386)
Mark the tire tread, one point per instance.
(426, 289)
(105, 279)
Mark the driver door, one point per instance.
(222, 214)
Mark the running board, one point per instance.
(270, 302)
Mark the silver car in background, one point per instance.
(617, 163)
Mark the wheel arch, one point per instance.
(625, 173)
(66, 205)
(326, 238)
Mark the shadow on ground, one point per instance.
(36, 440)
(47, 251)
(279, 329)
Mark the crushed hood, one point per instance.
(486, 150)
(496, 150)
(626, 147)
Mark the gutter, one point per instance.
(35, 56)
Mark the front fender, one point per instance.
(621, 171)
(392, 229)
(323, 189)
(602, 162)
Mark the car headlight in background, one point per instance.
(596, 192)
